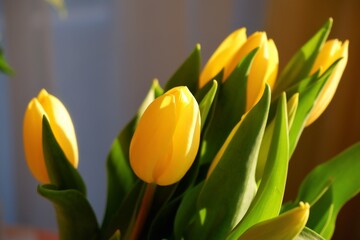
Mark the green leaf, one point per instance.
(308, 234)
(61, 173)
(343, 174)
(124, 216)
(300, 64)
(221, 204)
(268, 199)
(321, 212)
(4, 66)
(188, 73)
(162, 224)
(76, 219)
(322, 189)
(167, 200)
(309, 90)
(186, 210)
(120, 177)
(205, 98)
(116, 236)
(160, 199)
(230, 106)
(172, 196)
(154, 91)
(292, 106)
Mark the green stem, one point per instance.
(143, 211)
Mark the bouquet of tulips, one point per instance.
(207, 155)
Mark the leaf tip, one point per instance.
(198, 47)
(329, 23)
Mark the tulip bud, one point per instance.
(47, 105)
(331, 51)
(233, 49)
(166, 140)
(222, 55)
(263, 69)
(285, 226)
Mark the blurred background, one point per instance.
(101, 59)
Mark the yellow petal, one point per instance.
(286, 226)
(263, 70)
(332, 50)
(256, 79)
(273, 65)
(150, 144)
(61, 125)
(32, 139)
(185, 140)
(255, 40)
(222, 55)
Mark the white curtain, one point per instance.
(99, 61)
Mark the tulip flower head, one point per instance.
(47, 105)
(331, 51)
(285, 226)
(263, 69)
(222, 56)
(166, 140)
(232, 50)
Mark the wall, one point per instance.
(291, 23)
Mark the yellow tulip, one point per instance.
(47, 105)
(222, 55)
(166, 140)
(232, 50)
(285, 226)
(331, 51)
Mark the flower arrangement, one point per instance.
(206, 157)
